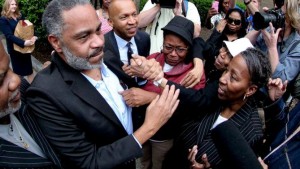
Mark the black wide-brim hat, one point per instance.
(182, 27)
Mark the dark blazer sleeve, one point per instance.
(198, 46)
(211, 46)
(197, 98)
(111, 43)
(213, 39)
(275, 117)
(73, 144)
(9, 32)
(233, 148)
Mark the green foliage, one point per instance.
(142, 4)
(241, 5)
(33, 11)
(202, 6)
(1, 4)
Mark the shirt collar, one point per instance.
(104, 72)
(121, 42)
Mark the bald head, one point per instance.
(123, 17)
(118, 3)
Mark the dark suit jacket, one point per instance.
(112, 55)
(13, 156)
(113, 61)
(78, 122)
(8, 26)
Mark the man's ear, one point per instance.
(55, 42)
(110, 22)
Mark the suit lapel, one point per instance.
(113, 61)
(142, 42)
(81, 87)
(243, 114)
(112, 44)
(139, 44)
(206, 124)
(34, 131)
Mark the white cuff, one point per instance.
(158, 82)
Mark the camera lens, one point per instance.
(262, 20)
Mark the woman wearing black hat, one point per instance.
(176, 61)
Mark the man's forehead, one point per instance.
(79, 12)
(79, 17)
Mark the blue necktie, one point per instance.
(129, 52)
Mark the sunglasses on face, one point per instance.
(234, 21)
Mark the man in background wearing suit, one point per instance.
(123, 17)
(22, 143)
(76, 99)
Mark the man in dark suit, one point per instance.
(76, 99)
(22, 143)
(123, 17)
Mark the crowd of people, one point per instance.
(124, 85)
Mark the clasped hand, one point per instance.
(143, 68)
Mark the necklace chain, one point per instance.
(11, 130)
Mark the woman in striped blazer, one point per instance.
(246, 73)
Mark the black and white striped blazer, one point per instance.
(197, 131)
(13, 156)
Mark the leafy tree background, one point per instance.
(33, 11)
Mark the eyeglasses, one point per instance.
(178, 50)
(235, 21)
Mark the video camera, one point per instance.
(275, 16)
(262, 20)
(165, 3)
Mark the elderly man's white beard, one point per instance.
(80, 63)
(10, 108)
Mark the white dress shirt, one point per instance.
(109, 88)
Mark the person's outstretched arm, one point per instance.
(147, 15)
